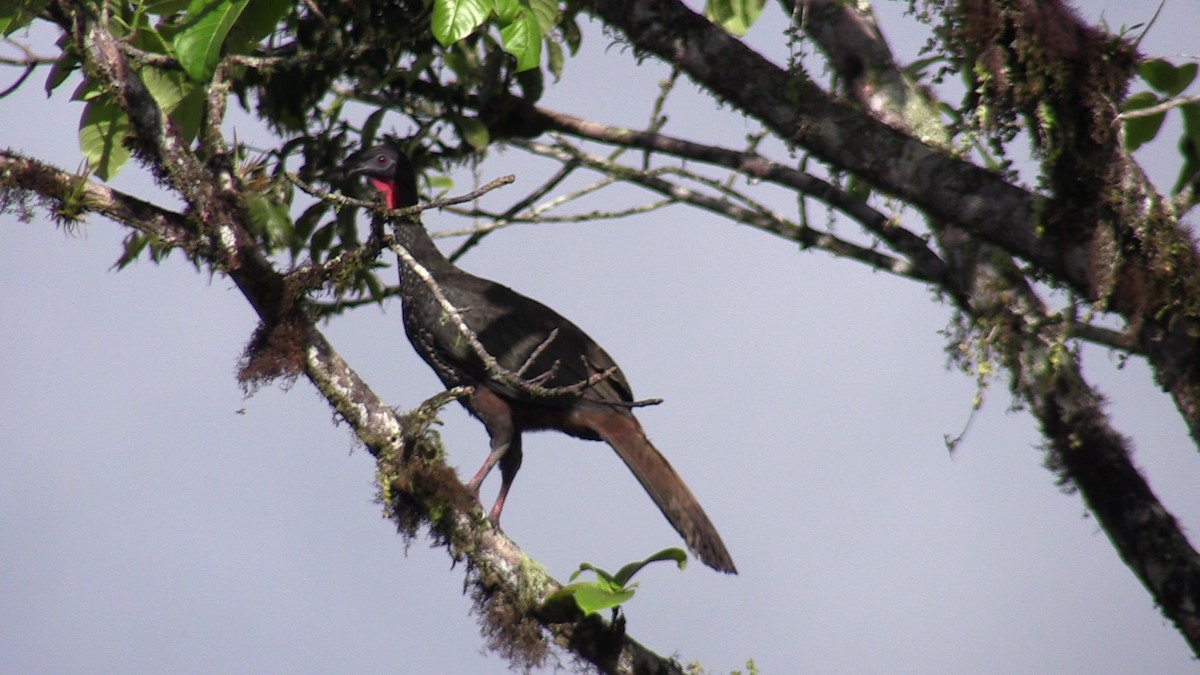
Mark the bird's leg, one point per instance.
(510, 463)
(505, 442)
(493, 457)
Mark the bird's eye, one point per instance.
(381, 160)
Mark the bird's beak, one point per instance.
(358, 166)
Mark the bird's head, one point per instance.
(390, 172)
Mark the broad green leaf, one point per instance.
(66, 64)
(198, 44)
(101, 130)
(458, 63)
(546, 13)
(269, 218)
(1141, 130)
(1184, 76)
(258, 21)
(16, 14)
(591, 598)
(734, 16)
(164, 7)
(610, 590)
(571, 34)
(858, 188)
(1189, 148)
(370, 128)
(86, 91)
(454, 20)
(305, 225)
(917, 69)
(1166, 77)
(522, 39)
(440, 183)
(474, 132)
(156, 40)
(178, 97)
(507, 10)
(554, 57)
(374, 288)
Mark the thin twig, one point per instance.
(538, 352)
(508, 215)
(496, 222)
(340, 200)
(1159, 108)
(805, 236)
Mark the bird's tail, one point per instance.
(665, 487)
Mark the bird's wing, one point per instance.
(513, 328)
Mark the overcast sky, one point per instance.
(154, 520)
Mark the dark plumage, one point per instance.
(511, 327)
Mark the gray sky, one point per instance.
(148, 527)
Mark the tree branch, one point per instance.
(1082, 445)
(417, 484)
(1160, 108)
(949, 189)
(776, 225)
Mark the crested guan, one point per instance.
(512, 328)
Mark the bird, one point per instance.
(523, 336)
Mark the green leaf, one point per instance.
(507, 10)
(1165, 77)
(454, 20)
(178, 97)
(554, 58)
(591, 598)
(269, 218)
(198, 43)
(522, 39)
(156, 40)
(305, 225)
(858, 188)
(164, 7)
(101, 131)
(1141, 130)
(571, 34)
(319, 244)
(258, 21)
(734, 16)
(589, 567)
(440, 183)
(626, 573)
(66, 64)
(16, 14)
(546, 12)
(134, 244)
(917, 69)
(458, 63)
(610, 590)
(1184, 76)
(1189, 148)
(474, 132)
(370, 128)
